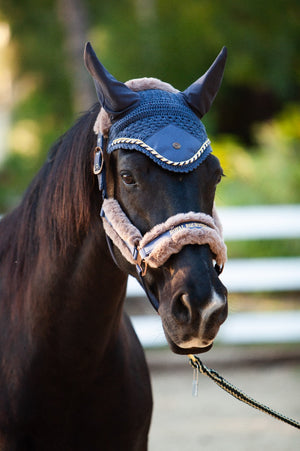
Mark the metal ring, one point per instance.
(98, 160)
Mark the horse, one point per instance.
(73, 374)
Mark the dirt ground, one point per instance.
(216, 421)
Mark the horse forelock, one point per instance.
(141, 84)
(103, 122)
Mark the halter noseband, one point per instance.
(163, 240)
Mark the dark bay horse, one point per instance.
(72, 372)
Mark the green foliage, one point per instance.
(175, 41)
(264, 248)
(268, 173)
(43, 110)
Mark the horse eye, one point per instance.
(127, 178)
(220, 177)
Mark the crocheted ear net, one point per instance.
(162, 126)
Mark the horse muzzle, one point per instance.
(191, 240)
(197, 335)
(193, 303)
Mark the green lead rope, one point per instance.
(238, 394)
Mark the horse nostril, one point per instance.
(216, 316)
(222, 314)
(182, 308)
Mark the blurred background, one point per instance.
(254, 123)
(254, 126)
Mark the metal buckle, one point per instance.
(98, 160)
(143, 266)
(140, 263)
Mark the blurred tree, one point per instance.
(73, 16)
(175, 41)
(47, 80)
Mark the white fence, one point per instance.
(248, 275)
(263, 274)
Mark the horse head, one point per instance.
(158, 187)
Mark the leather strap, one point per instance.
(100, 171)
(187, 229)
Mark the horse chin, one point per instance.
(185, 351)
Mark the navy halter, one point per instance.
(140, 252)
(100, 171)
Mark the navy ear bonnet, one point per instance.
(162, 125)
(164, 128)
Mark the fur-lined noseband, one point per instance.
(156, 246)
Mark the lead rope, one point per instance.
(232, 390)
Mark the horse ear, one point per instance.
(114, 96)
(200, 95)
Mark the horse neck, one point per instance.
(58, 277)
(93, 291)
(79, 290)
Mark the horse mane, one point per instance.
(56, 208)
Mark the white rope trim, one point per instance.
(156, 154)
